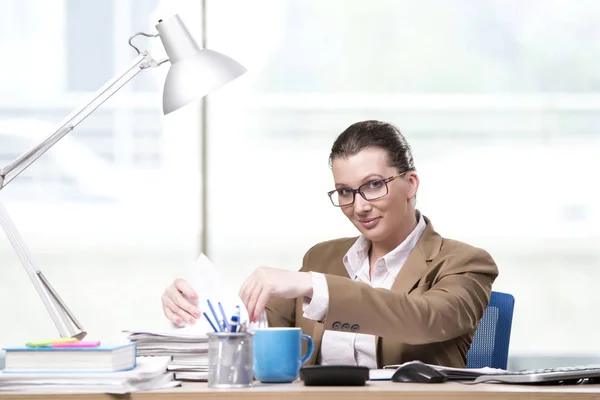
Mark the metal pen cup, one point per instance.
(229, 359)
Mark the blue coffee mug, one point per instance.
(277, 354)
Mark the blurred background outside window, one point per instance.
(499, 100)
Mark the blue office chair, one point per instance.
(491, 340)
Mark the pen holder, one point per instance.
(229, 359)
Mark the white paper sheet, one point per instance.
(210, 284)
(147, 368)
(451, 372)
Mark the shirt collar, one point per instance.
(359, 252)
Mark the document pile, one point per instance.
(150, 373)
(188, 345)
(463, 374)
(455, 374)
(187, 351)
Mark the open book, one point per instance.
(458, 374)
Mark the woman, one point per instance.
(398, 292)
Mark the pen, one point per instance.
(225, 320)
(237, 312)
(234, 323)
(212, 310)
(210, 322)
(224, 325)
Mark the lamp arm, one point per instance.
(12, 170)
(64, 320)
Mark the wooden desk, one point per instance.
(373, 391)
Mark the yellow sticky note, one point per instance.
(50, 342)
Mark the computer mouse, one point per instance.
(418, 372)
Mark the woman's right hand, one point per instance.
(177, 302)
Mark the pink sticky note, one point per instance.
(76, 344)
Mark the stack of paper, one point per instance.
(169, 343)
(149, 374)
(188, 345)
(187, 351)
(458, 374)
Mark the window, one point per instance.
(115, 205)
(498, 100)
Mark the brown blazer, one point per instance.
(430, 314)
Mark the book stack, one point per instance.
(188, 351)
(89, 368)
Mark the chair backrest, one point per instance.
(492, 338)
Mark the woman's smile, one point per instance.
(369, 223)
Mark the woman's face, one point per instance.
(381, 219)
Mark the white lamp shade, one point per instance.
(194, 77)
(194, 72)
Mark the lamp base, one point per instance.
(63, 318)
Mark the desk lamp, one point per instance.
(193, 73)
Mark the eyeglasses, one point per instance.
(371, 190)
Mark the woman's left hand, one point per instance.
(265, 282)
